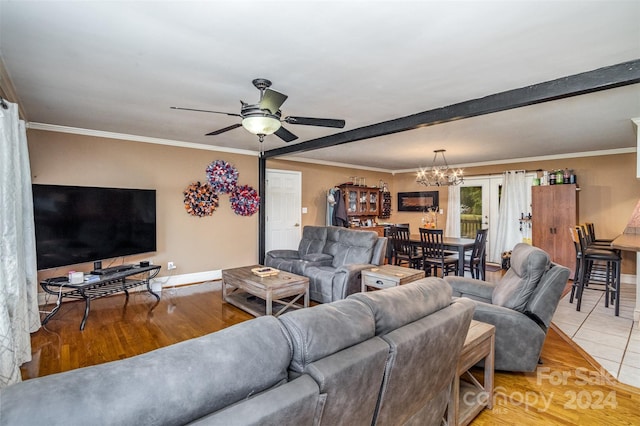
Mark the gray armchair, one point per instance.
(520, 305)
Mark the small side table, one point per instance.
(468, 398)
(386, 276)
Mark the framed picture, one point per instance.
(417, 201)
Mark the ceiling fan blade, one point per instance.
(322, 122)
(226, 129)
(204, 110)
(272, 100)
(285, 135)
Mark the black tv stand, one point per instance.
(112, 270)
(105, 285)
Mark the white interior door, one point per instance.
(283, 206)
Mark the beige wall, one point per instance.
(195, 244)
(609, 192)
(318, 179)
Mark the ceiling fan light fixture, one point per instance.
(261, 124)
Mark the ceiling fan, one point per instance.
(265, 117)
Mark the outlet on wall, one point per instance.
(171, 265)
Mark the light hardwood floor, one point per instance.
(566, 389)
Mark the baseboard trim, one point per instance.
(196, 277)
(628, 278)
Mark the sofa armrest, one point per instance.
(348, 279)
(471, 288)
(283, 254)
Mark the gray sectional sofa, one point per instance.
(332, 258)
(382, 358)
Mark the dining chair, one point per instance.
(434, 255)
(476, 263)
(404, 251)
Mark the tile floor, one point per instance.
(612, 341)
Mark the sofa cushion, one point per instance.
(313, 240)
(348, 247)
(416, 299)
(528, 264)
(321, 258)
(326, 329)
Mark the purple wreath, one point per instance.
(200, 200)
(245, 200)
(222, 176)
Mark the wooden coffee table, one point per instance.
(468, 398)
(261, 295)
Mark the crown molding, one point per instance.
(136, 138)
(332, 164)
(539, 158)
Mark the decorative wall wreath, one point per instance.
(245, 200)
(200, 199)
(222, 176)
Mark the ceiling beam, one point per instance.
(610, 77)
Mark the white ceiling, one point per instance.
(118, 66)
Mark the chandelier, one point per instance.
(440, 175)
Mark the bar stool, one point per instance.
(612, 262)
(576, 274)
(597, 271)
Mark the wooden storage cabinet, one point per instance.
(554, 209)
(361, 200)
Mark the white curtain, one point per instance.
(453, 213)
(19, 314)
(513, 203)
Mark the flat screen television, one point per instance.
(77, 224)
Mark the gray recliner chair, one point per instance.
(520, 305)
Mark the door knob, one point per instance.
(296, 225)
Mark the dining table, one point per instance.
(459, 245)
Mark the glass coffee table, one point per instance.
(264, 295)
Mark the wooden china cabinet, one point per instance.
(361, 200)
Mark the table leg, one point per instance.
(461, 260)
(86, 312)
(488, 373)
(52, 313)
(224, 291)
(149, 290)
(306, 298)
(269, 302)
(453, 409)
